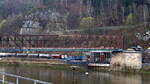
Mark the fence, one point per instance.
(19, 77)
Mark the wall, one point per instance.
(127, 61)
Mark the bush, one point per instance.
(87, 22)
(129, 20)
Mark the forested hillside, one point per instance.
(126, 17)
(104, 12)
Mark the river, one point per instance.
(71, 77)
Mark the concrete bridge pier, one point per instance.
(127, 61)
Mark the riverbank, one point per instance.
(44, 63)
(61, 65)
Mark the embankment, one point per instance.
(55, 64)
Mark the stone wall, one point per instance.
(127, 61)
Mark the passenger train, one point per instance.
(25, 55)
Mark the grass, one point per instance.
(44, 65)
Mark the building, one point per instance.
(102, 57)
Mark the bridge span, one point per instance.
(57, 50)
(56, 42)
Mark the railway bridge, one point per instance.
(60, 43)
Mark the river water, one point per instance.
(71, 77)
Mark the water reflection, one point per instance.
(70, 77)
(125, 78)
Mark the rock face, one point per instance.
(30, 27)
(127, 61)
(44, 21)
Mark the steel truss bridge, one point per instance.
(58, 50)
(59, 43)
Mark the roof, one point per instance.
(108, 50)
